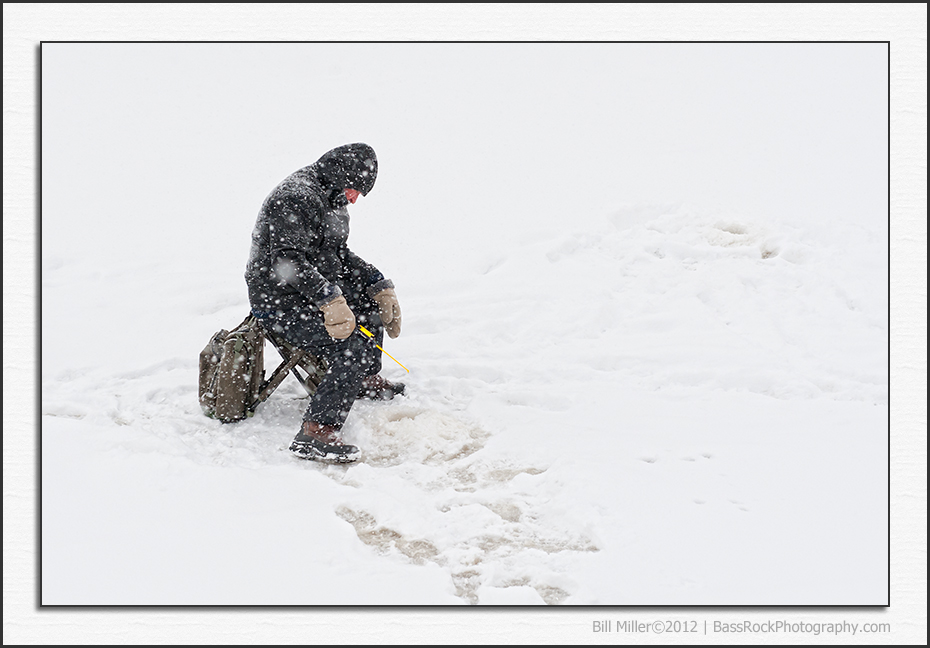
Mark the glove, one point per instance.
(390, 311)
(338, 318)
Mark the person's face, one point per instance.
(352, 195)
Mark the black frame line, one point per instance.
(445, 608)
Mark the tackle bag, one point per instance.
(232, 371)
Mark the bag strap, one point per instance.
(246, 321)
(250, 322)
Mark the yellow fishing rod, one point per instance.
(371, 336)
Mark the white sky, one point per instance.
(471, 136)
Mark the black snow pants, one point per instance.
(348, 361)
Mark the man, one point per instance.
(307, 286)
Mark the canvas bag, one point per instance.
(232, 372)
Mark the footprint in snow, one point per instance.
(489, 520)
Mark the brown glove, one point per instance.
(338, 318)
(390, 311)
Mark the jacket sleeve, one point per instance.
(294, 238)
(369, 276)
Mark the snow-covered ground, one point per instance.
(645, 297)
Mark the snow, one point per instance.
(645, 313)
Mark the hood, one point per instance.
(352, 166)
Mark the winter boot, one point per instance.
(377, 388)
(322, 443)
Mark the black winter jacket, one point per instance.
(299, 255)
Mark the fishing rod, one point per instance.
(371, 336)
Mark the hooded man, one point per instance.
(306, 286)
